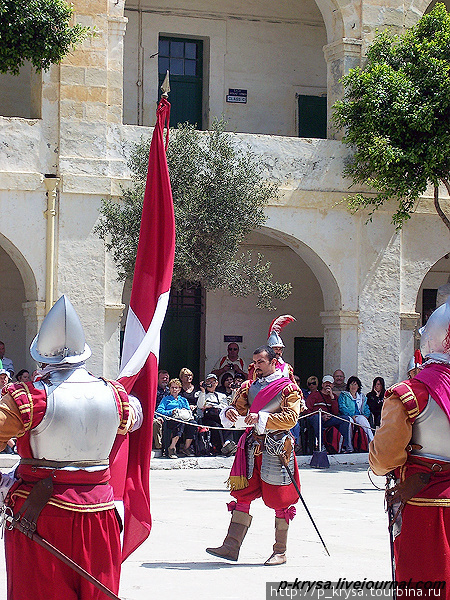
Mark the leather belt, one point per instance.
(434, 465)
(276, 434)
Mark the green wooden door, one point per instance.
(183, 58)
(308, 358)
(312, 116)
(180, 333)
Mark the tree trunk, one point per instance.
(439, 210)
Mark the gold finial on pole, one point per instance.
(166, 86)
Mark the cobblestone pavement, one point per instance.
(189, 514)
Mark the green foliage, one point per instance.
(36, 30)
(219, 197)
(396, 114)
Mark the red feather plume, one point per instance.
(279, 322)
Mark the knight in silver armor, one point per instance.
(413, 442)
(65, 423)
(271, 405)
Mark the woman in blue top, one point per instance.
(166, 407)
(353, 404)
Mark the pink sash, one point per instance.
(436, 378)
(238, 474)
(268, 393)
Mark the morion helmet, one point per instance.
(276, 326)
(61, 338)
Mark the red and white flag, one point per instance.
(139, 367)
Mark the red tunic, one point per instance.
(79, 518)
(422, 548)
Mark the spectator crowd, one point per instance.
(339, 416)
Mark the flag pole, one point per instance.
(150, 292)
(165, 86)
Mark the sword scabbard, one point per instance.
(11, 522)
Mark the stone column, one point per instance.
(34, 313)
(116, 32)
(409, 340)
(340, 341)
(341, 56)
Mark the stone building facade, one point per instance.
(358, 287)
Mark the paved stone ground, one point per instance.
(189, 514)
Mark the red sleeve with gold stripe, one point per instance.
(123, 406)
(413, 394)
(31, 402)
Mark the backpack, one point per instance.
(359, 439)
(332, 440)
(203, 443)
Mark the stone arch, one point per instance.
(20, 311)
(340, 327)
(427, 298)
(419, 273)
(330, 288)
(417, 8)
(22, 265)
(232, 315)
(337, 28)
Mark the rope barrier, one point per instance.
(324, 412)
(200, 426)
(195, 424)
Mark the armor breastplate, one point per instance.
(80, 421)
(272, 406)
(431, 430)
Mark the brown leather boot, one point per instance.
(279, 548)
(240, 522)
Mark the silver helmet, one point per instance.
(435, 335)
(275, 340)
(61, 338)
(276, 326)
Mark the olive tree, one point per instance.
(219, 195)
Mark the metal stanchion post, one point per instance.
(320, 459)
(320, 430)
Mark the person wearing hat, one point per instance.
(270, 407)
(326, 400)
(65, 423)
(276, 343)
(210, 403)
(413, 442)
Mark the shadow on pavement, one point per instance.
(199, 566)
